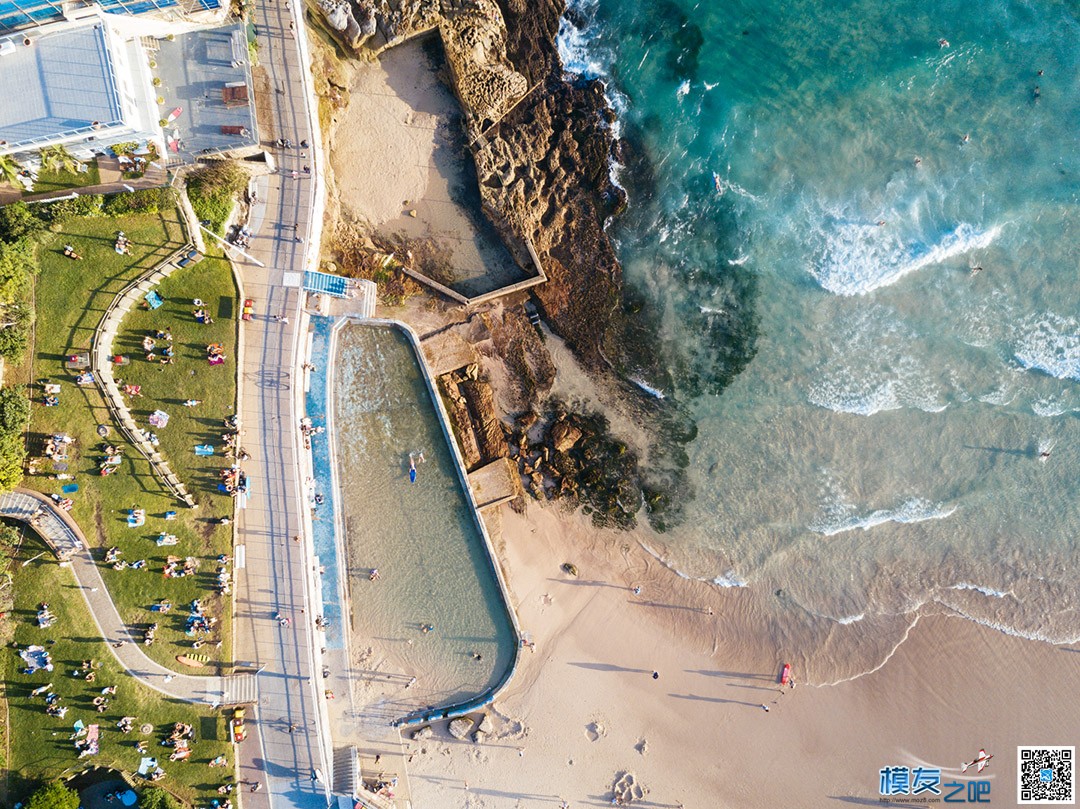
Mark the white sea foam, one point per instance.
(575, 44)
(858, 257)
(1050, 343)
(738, 262)
(1000, 396)
(872, 368)
(709, 86)
(914, 510)
(864, 398)
(986, 591)
(683, 90)
(1048, 408)
(851, 619)
(723, 186)
(649, 389)
(728, 579)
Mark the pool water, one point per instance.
(422, 536)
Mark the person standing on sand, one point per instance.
(764, 707)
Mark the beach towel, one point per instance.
(70, 488)
(153, 299)
(147, 766)
(36, 658)
(204, 449)
(216, 360)
(136, 517)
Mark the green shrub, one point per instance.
(83, 205)
(17, 265)
(155, 798)
(147, 200)
(18, 221)
(213, 190)
(126, 147)
(14, 416)
(15, 331)
(53, 795)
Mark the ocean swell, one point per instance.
(1050, 343)
(858, 257)
(914, 510)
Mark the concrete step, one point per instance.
(346, 771)
(240, 689)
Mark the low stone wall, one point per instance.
(101, 355)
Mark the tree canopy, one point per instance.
(53, 795)
(14, 416)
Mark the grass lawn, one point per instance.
(51, 181)
(41, 746)
(71, 297)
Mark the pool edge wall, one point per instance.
(486, 697)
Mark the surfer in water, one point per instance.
(719, 186)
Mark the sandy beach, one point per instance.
(403, 168)
(584, 708)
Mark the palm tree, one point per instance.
(9, 170)
(58, 160)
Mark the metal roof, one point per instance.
(63, 83)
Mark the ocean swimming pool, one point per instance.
(423, 537)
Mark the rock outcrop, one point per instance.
(563, 436)
(339, 17)
(542, 145)
(460, 728)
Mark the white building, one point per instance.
(81, 83)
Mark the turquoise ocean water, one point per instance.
(884, 447)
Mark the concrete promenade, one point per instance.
(288, 752)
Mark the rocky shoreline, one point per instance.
(543, 144)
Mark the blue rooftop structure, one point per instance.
(64, 82)
(326, 284)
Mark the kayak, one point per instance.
(175, 114)
(785, 675)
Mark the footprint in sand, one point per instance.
(595, 731)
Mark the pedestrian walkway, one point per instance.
(64, 536)
(101, 361)
(291, 755)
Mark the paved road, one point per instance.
(284, 751)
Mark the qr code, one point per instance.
(1045, 775)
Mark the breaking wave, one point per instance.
(859, 257)
(914, 510)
